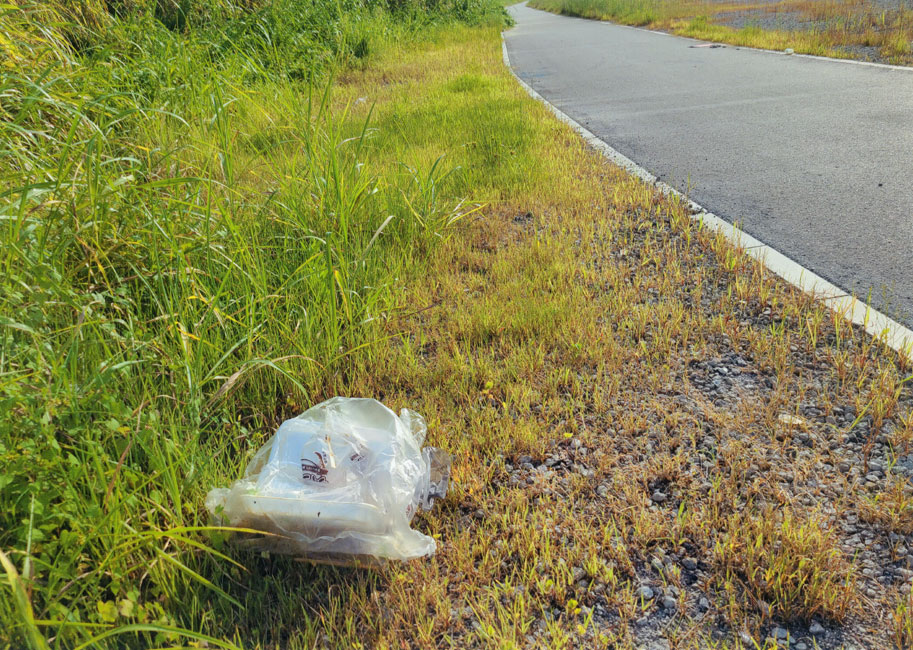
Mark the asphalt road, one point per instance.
(812, 157)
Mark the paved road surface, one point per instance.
(814, 158)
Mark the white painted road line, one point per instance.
(887, 330)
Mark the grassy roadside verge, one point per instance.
(855, 30)
(652, 438)
(194, 246)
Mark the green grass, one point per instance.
(196, 242)
(627, 12)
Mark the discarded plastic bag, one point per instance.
(339, 483)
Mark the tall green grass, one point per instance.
(193, 243)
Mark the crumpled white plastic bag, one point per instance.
(340, 481)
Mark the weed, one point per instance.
(891, 508)
(788, 568)
(903, 622)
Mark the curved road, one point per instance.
(812, 157)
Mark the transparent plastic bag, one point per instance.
(339, 483)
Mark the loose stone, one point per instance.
(644, 593)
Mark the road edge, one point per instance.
(878, 325)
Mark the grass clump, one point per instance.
(891, 508)
(903, 622)
(787, 567)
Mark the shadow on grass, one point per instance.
(284, 602)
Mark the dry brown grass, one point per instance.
(787, 567)
(891, 508)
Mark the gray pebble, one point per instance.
(658, 497)
(816, 629)
(644, 592)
